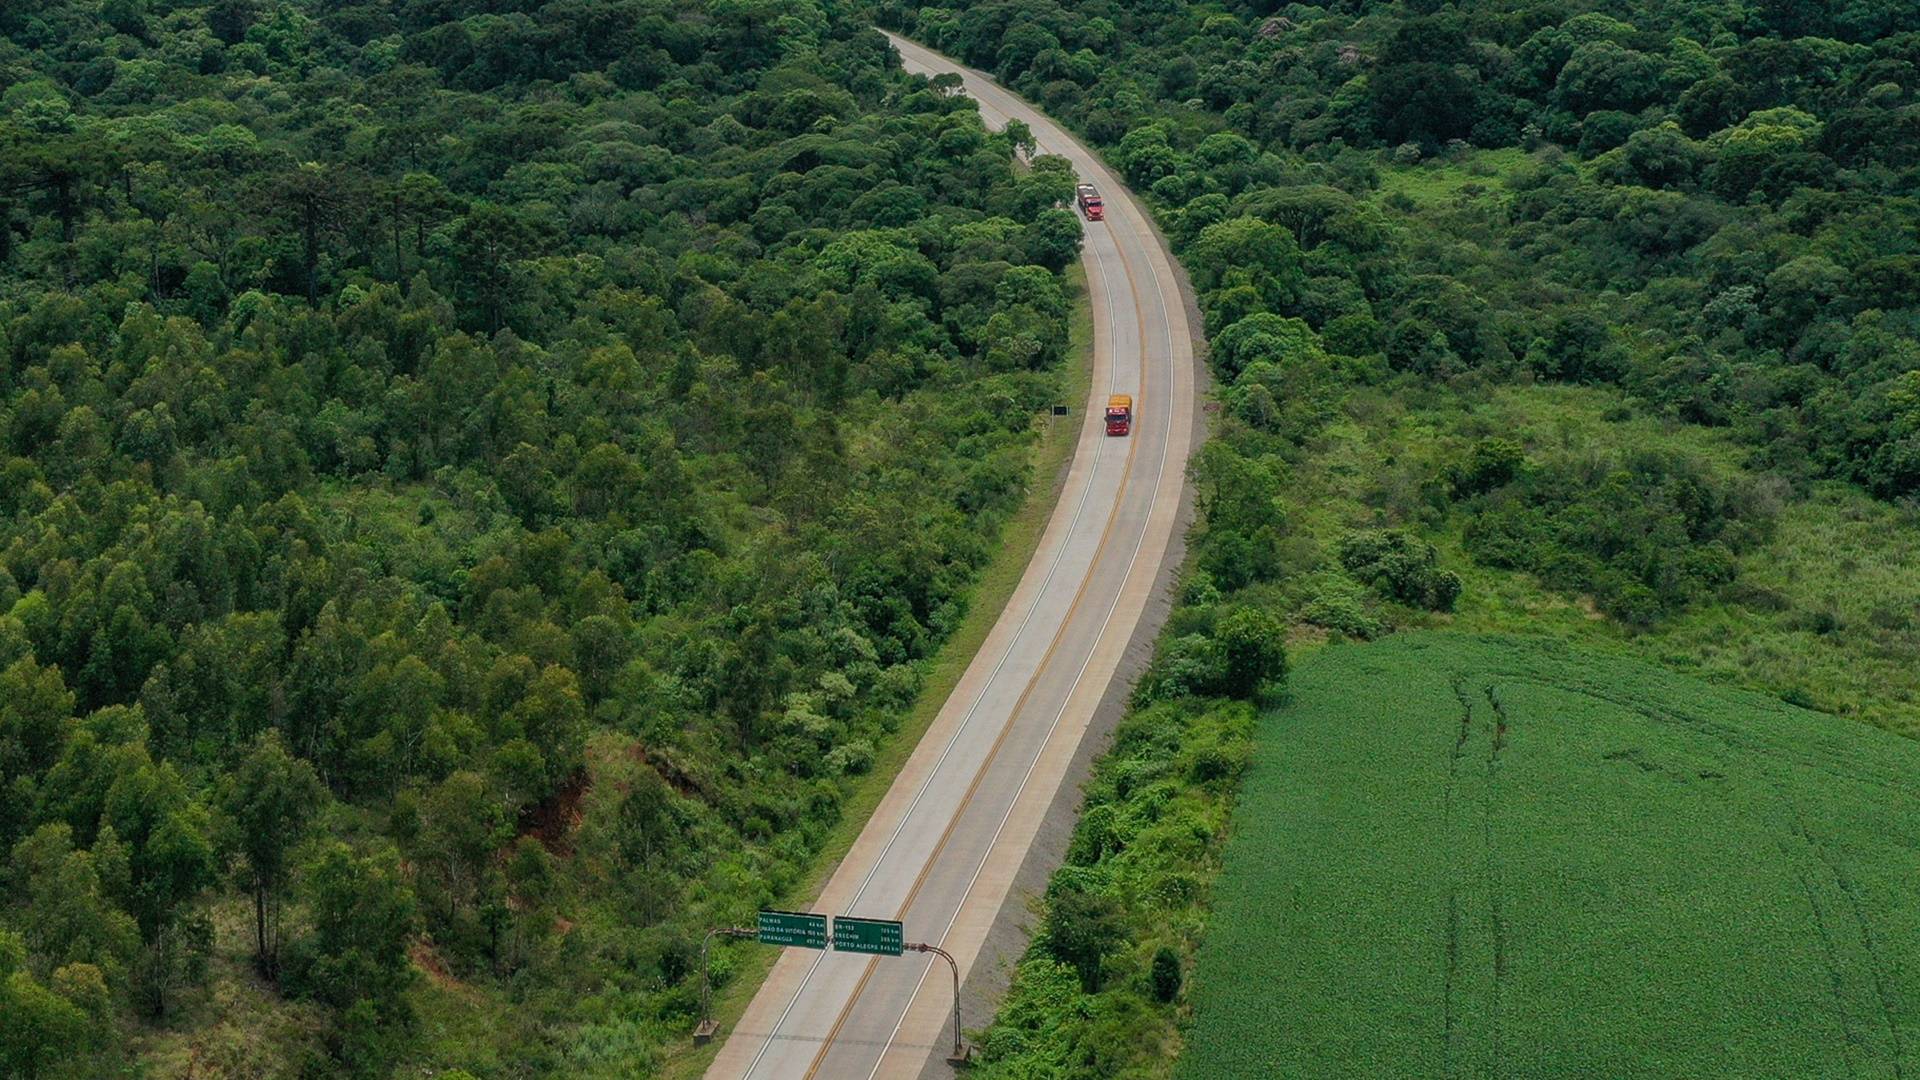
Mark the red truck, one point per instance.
(1119, 414)
(1090, 203)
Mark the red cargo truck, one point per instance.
(1090, 203)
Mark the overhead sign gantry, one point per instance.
(810, 930)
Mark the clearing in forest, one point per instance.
(1498, 857)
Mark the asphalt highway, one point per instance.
(941, 850)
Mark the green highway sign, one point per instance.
(881, 937)
(801, 928)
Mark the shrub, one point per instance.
(1646, 535)
(1189, 666)
(1400, 567)
(1340, 606)
(1243, 656)
(1082, 928)
(1493, 463)
(1253, 640)
(1165, 977)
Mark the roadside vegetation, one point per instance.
(479, 492)
(1097, 992)
(746, 964)
(1592, 321)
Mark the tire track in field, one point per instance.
(1676, 715)
(1830, 954)
(1874, 962)
(1770, 756)
(1449, 1019)
(1496, 884)
(1876, 968)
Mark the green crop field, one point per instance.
(1492, 857)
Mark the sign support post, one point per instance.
(959, 1055)
(703, 1031)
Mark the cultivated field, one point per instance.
(1488, 857)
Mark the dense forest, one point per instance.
(481, 482)
(1725, 227)
(1588, 318)
(1705, 209)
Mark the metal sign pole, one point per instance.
(703, 1032)
(959, 1056)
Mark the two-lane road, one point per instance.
(941, 851)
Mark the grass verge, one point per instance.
(1824, 613)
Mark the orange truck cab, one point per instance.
(1119, 414)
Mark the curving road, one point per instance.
(941, 850)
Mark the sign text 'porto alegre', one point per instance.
(800, 928)
(881, 937)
